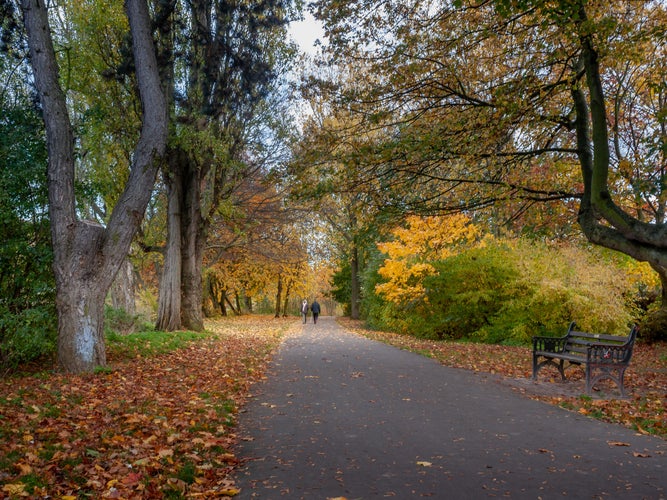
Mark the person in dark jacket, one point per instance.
(315, 308)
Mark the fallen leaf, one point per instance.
(424, 464)
(15, 489)
(617, 443)
(167, 452)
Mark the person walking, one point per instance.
(304, 310)
(315, 307)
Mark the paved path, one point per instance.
(344, 416)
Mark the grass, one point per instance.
(149, 343)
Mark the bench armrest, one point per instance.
(605, 353)
(549, 344)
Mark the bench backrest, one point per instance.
(577, 342)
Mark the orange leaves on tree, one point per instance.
(414, 246)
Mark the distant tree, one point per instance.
(220, 62)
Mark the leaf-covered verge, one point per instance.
(153, 424)
(644, 410)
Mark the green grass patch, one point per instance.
(187, 473)
(32, 481)
(147, 344)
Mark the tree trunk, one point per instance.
(122, 289)
(248, 303)
(80, 304)
(223, 302)
(279, 294)
(83, 314)
(287, 294)
(193, 231)
(169, 295)
(181, 297)
(86, 257)
(231, 306)
(355, 287)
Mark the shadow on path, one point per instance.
(344, 416)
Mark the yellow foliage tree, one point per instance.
(414, 246)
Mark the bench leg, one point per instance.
(561, 369)
(615, 373)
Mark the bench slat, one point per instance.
(599, 336)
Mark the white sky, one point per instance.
(306, 32)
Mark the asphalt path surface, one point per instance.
(344, 416)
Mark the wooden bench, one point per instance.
(605, 356)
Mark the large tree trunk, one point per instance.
(80, 302)
(193, 240)
(87, 256)
(181, 288)
(169, 294)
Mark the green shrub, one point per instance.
(121, 322)
(508, 291)
(470, 292)
(27, 336)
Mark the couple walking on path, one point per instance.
(314, 307)
(344, 416)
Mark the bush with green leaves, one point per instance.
(471, 292)
(507, 291)
(119, 321)
(28, 325)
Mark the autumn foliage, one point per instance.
(414, 247)
(440, 278)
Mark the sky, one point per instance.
(306, 32)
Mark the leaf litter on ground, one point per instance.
(146, 427)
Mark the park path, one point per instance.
(344, 416)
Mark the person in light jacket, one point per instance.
(304, 310)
